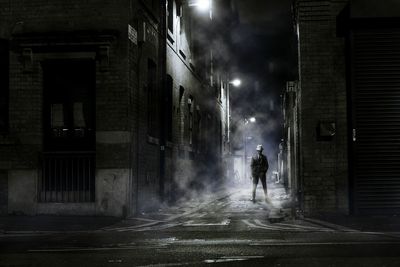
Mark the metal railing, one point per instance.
(67, 177)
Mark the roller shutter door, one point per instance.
(376, 119)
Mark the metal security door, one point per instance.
(376, 120)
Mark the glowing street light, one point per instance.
(236, 82)
(202, 5)
(251, 120)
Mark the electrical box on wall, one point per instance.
(326, 130)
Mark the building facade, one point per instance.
(100, 110)
(197, 147)
(347, 109)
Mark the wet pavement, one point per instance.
(222, 228)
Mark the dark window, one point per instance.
(168, 106)
(181, 93)
(181, 113)
(152, 102)
(69, 108)
(197, 129)
(170, 15)
(4, 86)
(191, 119)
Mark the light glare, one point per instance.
(252, 119)
(203, 4)
(236, 82)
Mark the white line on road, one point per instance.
(223, 223)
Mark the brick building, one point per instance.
(197, 89)
(98, 108)
(346, 103)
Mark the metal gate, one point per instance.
(67, 177)
(376, 120)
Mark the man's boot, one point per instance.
(253, 198)
(267, 200)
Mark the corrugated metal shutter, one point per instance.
(376, 92)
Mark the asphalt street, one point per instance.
(225, 229)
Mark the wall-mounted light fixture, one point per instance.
(326, 130)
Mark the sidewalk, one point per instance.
(364, 223)
(48, 223)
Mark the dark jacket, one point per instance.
(259, 165)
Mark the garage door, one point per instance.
(376, 120)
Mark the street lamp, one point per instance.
(203, 5)
(236, 82)
(251, 120)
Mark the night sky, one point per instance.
(266, 41)
(264, 45)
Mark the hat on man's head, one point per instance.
(259, 148)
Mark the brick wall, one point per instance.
(26, 87)
(3, 192)
(34, 20)
(323, 170)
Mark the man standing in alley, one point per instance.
(259, 168)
